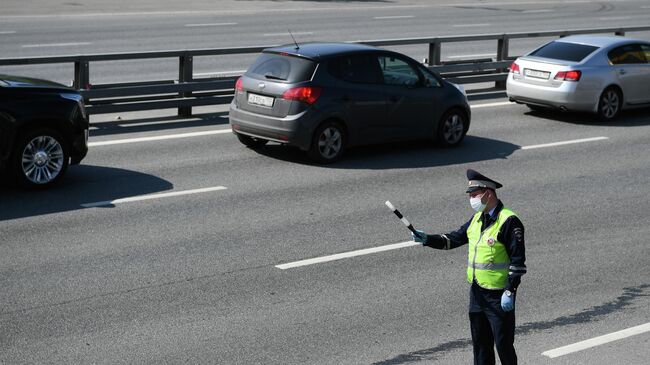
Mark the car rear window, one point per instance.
(280, 67)
(564, 51)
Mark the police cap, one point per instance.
(478, 181)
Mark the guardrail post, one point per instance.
(503, 45)
(81, 74)
(434, 53)
(185, 74)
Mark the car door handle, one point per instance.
(394, 99)
(622, 72)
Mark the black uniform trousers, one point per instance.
(491, 326)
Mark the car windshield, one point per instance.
(281, 67)
(564, 51)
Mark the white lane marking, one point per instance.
(473, 55)
(219, 73)
(597, 341)
(344, 255)
(471, 25)
(208, 25)
(218, 12)
(394, 17)
(55, 45)
(615, 18)
(645, 7)
(221, 131)
(7, 32)
(489, 105)
(159, 138)
(286, 34)
(537, 11)
(554, 144)
(152, 196)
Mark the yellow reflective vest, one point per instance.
(488, 260)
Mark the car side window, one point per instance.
(429, 79)
(359, 69)
(645, 49)
(398, 72)
(628, 54)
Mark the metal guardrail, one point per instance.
(186, 91)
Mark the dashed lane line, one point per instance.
(159, 138)
(151, 196)
(208, 25)
(597, 341)
(344, 255)
(394, 17)
(71, 44)
(555, 144)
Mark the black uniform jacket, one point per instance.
(511, 235)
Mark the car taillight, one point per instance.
(239, 85)
(307, 94)
(514, 68)
(568, 75)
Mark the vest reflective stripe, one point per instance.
(489, 266)
(488, 260)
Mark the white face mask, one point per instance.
(476, 203)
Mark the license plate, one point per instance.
(262, 100)
(537, 74)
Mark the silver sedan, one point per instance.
(599, 74)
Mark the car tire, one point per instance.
(251, 142)
(328, 143)
(610, 103)
(452, 128)
(40, 158)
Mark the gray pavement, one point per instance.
(193, 278)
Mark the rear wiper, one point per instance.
(269, 76)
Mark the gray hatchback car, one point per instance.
(327, 97)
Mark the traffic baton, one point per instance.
(401, 217)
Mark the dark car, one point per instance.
(43, 129)
(326, 97)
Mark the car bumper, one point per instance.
(79, 147)
(566, 96)
(294, 130)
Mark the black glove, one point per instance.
(437, 241)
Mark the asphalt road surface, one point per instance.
(167, 244)
(46, 28)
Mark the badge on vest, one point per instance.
(490, 241)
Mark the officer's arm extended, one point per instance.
(450, 240)
(512, 236)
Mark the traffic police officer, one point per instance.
(496, 262)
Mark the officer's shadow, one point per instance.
(405, 154)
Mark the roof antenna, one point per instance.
(294, 40)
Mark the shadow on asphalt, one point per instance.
(628, 118)
(630, 297)
(82, 184)
(403, 155)
(157, 124)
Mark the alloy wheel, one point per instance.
(42, 159)
(330, 142)
(453, 128)
(609, 104)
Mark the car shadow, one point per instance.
(627, 118)
(403, 155)
(157, 124)
(82, 184)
